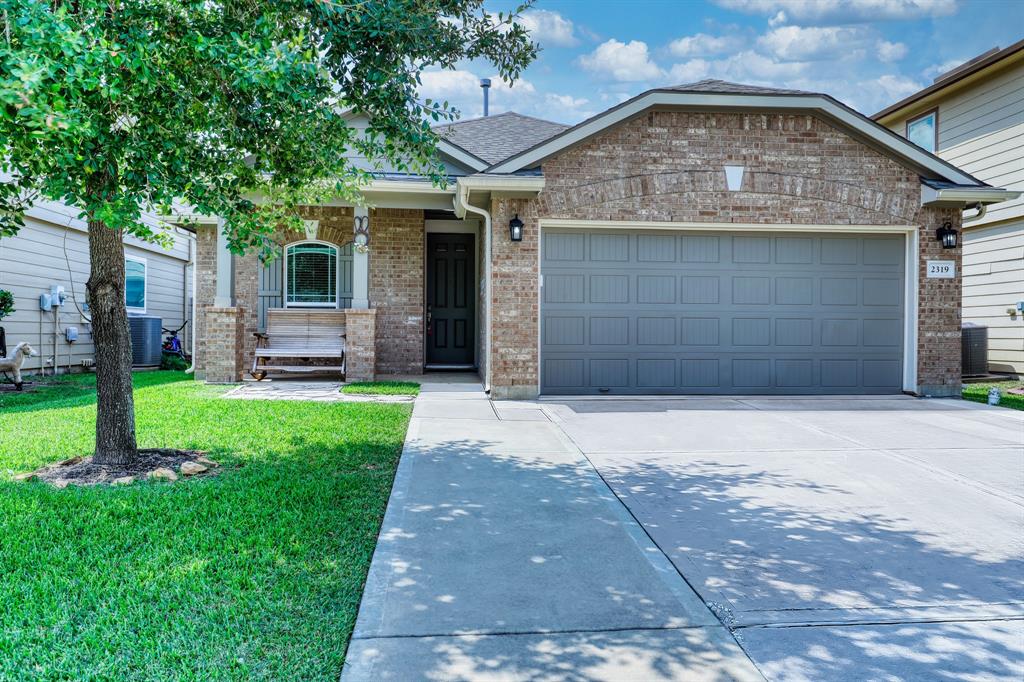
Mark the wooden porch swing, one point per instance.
(304, 334)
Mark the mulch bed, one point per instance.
(82, 470)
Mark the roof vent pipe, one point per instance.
(485, 83)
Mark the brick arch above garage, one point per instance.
(668, 165)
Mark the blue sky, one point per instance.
(867, 53)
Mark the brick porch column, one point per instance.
(360, 344)
(225, 344)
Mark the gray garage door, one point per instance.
(721, 313)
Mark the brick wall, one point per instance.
(206, 287)
(668, 166)
(515, 314)
(396, 288)
(225, 359)
(938, 312)
(360, 345)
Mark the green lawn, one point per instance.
(979, 393)
(252, 574)
(382, 388)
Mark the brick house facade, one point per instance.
(662, 166)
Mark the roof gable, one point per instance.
(495, 138)
(721, 95)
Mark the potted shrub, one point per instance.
(6, 308)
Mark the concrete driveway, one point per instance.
(837, 538)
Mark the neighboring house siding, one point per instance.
(981, 130)
(667, 166)
(35, 259)
(993, 284)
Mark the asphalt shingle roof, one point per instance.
(495, 138)
(712, 85)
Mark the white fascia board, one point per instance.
(461, 155)
(863, 126)
(965, 196)
(569, 223)
(407, 187)
(502, 183)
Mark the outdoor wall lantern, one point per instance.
(947, 236)
(515, 229)
(362, 230)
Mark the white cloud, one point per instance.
(549, 28)
(567, 107)
(812, 43)
(819, 43)
(690, 71)
(840, 11)
(936, 70)
(461, 88)
(897, 87)
(890, 52)
(750, 65)
(448, 85)
(702, 45)
(747, 67)
(624, 62)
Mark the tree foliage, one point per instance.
(125, 106)
(235, 108)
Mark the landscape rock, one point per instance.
(69, 461)
(124, 480)
(163, 474)
(206, 461)
(27, 476)
(61, 483)
(192, 468)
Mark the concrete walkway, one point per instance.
(504, 556)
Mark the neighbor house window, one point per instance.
(923, 130)
(311, 275)
(135, 284)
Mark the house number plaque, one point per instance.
(942, 269)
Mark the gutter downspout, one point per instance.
(461, 205)
(981, 209)
(192, 245)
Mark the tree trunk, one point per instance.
(115, 406)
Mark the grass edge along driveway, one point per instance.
(256, 573)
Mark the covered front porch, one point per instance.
(408, 274)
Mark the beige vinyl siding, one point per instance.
(993, 277)
(981, 130)
(36, 258)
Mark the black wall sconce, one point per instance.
(947, 236)
(515, 229)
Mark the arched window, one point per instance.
(311, 275)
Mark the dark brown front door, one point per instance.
(451, 300)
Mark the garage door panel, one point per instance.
(656, 248)
(721, 313)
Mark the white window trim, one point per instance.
(337, 276)
(145, 284)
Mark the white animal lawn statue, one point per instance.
(13, 362)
